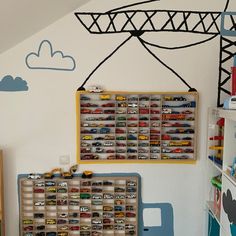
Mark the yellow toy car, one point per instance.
(120, 98)
(63, 233)
(119, 214)
(216, 147)
(51, 189)
(143, 137)
(87, 137)
(168, 98)
(107, 208)
(50, 221)
(28, 222)
(179, 143)
(105, 96)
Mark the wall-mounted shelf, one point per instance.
(2, 221)
(85, 207)
(117, 127)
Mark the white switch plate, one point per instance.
(64, 160)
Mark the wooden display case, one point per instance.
(2, 222)
(116, 127)
(105, 205)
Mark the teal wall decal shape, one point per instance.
(9, 84)
(47, 59)
(167, 213)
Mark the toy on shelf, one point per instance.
(51, 174)
(58, 172)
(216, 147)
(221, 122)
(34, 176)
(217, 143)
(217, 137)
(69, 174)
(230, 103)
(87, 174)
(95, 89)
(234, 77)
(217, 183)
(233, 168)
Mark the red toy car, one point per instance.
(144, 111)
(75, 228)
(155, 111)
(85, 215)
(97, 111)
(166, 137)
(85, 111)
(130, 214)
(108, 105)
(38, 190)
(143, 124)
(177, 150)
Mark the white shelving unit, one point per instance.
(221, 151)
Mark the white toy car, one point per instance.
(33, 176)
(95, 89)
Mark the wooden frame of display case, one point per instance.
(2, 222)
(118, 198)
(178, 109)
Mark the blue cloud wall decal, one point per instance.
(9, 84)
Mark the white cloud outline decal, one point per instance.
(32, 59)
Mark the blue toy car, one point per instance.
(105, 130)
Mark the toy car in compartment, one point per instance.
(109, 104)
(173, 116)
(179, 143)
(120, 98)
(105, 96)
(144, 98)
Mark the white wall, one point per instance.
(38, 126)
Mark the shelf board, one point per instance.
(216, 214)
(217, 166)
(230, 178)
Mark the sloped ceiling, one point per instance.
(21, 19)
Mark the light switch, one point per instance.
(64, 160)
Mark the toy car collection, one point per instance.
(136, 120)
(82, 196)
